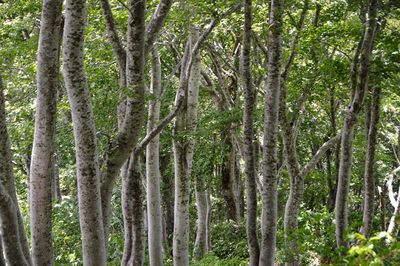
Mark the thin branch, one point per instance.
(319, 154)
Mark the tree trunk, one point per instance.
(90, 213)
(183, 145)
(133, 212)
(2, 262)
(12, 234)
(359, 85)
(155, 233)
(230, 178)
(201, 243)
(271, 109)
(369, 178)
(248, 132)
(167, 200)
(42, 162)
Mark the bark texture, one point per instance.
(90, 213)
(359, 86)
(133, 116)
(271, 114)
(10, 229)
(154, 216)
(369, 178)
(183, 145)
(248, 132)
(202, 235)
(133, 212)
(42, 159)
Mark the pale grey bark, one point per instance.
(359, 85)
(154, 216)
(42, 162)
(248, 136)
(369, 178)
(12, 234)
(183, 145)
(90, 213)
(157, 22)
(271, 113)
(202, 234)
(394, 223)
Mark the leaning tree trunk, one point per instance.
(10, 229)
(359, 84)
(183, 145)
(42, 161)
(369, 178)
(248, 132)
(271, 109)
(90, 213)
(154, 215)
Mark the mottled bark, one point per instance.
(271, 114)
(11, 235)
(133, 212)
(202, 237)
(157, 22)
(133, 120)
(248, 136)
(90, 213)
(369, 178)
(359, 85)
(42, 162)
(183, 145)
(155, 236)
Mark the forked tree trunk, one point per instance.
(12, 237)
(183, 145)
(359, 84)
(41, 179)
(90, 213)
(271, 110)
(369, 178)
(248, 124)
(154, 215)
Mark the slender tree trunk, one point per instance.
(230, 182)
(133, 212)
(248, 123)
(90, 213)
(167, 199)
(42, 162)
(155, 233)
(201, 243)
(269, 183)
(10, 229)
(2, 262)
(369, 178)
(359, 84)
(183, 145)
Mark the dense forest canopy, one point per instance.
(199, 132)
